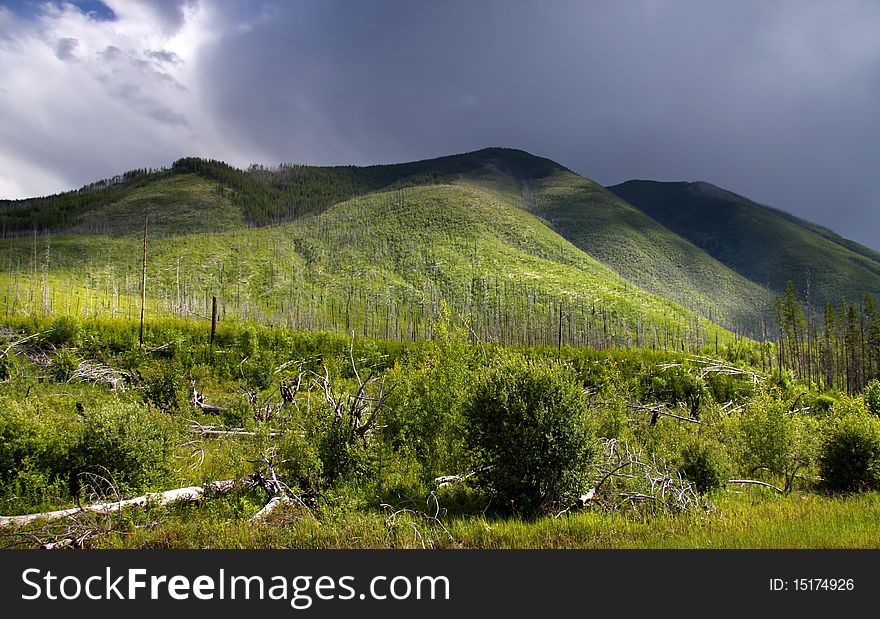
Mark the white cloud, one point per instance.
(83, 99)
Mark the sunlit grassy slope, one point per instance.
(646, 252)
(765, 245)
(180, 204)
(495, 231)
(360, 261)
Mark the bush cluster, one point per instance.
(705, 465)
(65, 331)
(527, 427)
(849, 459)
(117, 439)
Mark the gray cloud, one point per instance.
(163, 56)
(65, 47)
(776, 101)
(773, 100)
(124, 74)
(170, 12)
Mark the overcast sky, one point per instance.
(778, 101)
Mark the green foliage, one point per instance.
(64, 363)
(330, 443)
(676, 386)
(529, 435)
(872, 397)
(768, 437)
(850, 453)
(612, 420)
(648, 253)
(824, 403)
(248, 342)
(301, 462)
(271, 195)
(258, 372)
(376, 257)
(7, 365)
(340, 450)
(425, 412)
(114, 438)
(131, 444)
(704, 464)
(166, 388)
(65, 331)
(457, 407)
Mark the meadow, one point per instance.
(439, 443)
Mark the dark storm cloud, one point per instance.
(776, 101)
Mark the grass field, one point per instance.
(739, 520)
(86, 412)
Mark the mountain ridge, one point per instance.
(766, 245)
(645, 245)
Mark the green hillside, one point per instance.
(380, 264)
(495, 233)
(647, 253)
(259, 196)
(763, 244)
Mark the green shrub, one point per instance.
(824, 403)
(258, 372)
(166, 388)
(705, 465)
(678, 386)
(7, 365)
(301, 464)
(34, 439)
(340, 450)
(425, 411)
(132, 444)
(335, 446)
(63, 365)
(872, 396)
(528, 432)
(766, 436)
(248, 342)
(32, 490)
(850, 453)
(65, 331)
(614, 391)
(19, 437)
(119, 440)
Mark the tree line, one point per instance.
(839, 349)
(265, 195)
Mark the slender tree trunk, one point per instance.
(144, 278)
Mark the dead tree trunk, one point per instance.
(191, 493)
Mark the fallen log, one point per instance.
(275, 501)
(198, 401)
(755, 482)
(213, 431)
(446, 480)
(188, 494)
(95, 373)
(274, 487)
